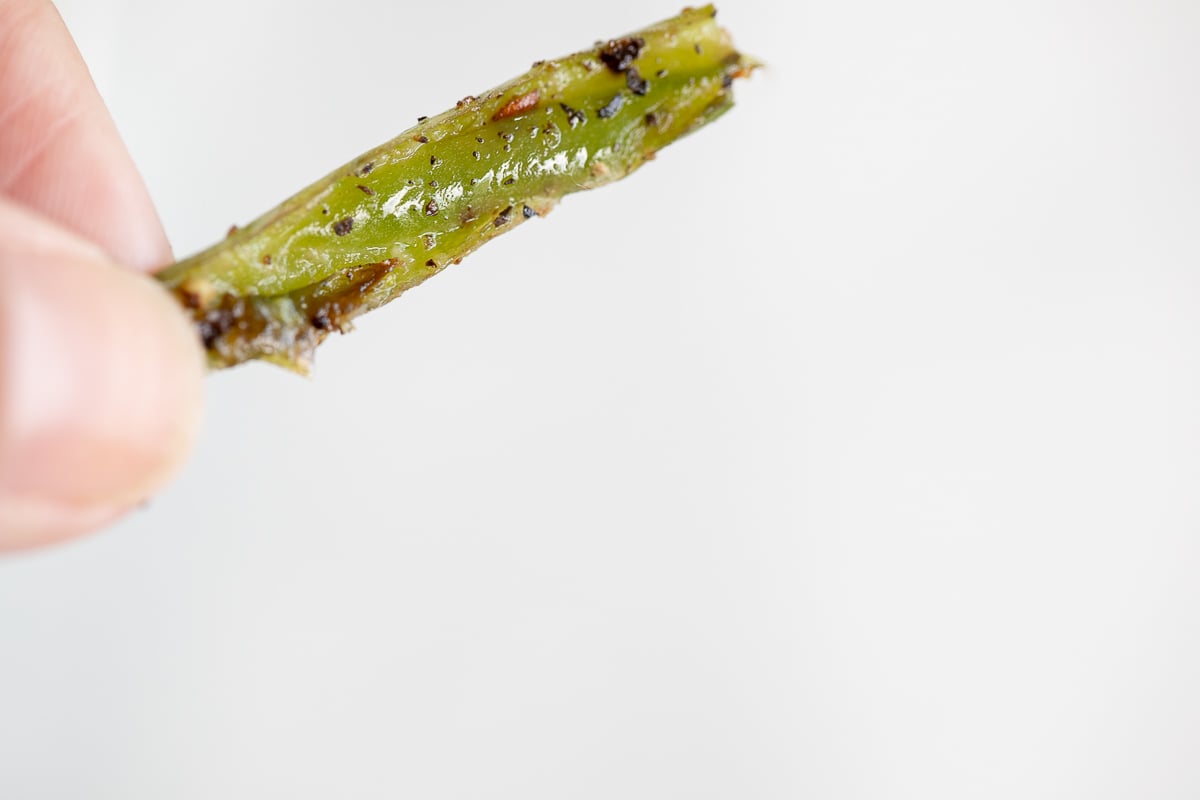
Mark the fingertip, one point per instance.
(100, 385)
(60, 152)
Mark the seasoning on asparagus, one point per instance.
(403, 212)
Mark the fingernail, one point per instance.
(100, 387)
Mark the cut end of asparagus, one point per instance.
(401, 213)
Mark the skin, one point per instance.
(100, 375)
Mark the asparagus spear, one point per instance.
(403, 212)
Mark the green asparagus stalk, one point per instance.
(403, 212)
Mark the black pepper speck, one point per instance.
(610, 110)
(636, 83)
(618, 54)
(574, 115)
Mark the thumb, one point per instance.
(100, 384)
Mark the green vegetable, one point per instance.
(403, 212)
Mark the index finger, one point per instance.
(60, 153)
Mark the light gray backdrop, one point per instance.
(850, 450)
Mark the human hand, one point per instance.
(100, 376)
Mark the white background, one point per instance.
(849, 450)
